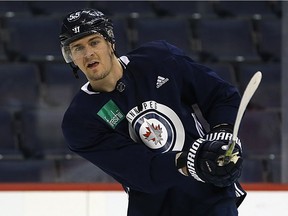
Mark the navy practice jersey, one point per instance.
(134, 132)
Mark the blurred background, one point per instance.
(235, 38)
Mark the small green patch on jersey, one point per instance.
(111, 113)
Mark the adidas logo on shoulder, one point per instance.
(161, 81)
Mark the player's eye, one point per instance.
(94, 42)
(77, 49)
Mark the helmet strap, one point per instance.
(75, 70)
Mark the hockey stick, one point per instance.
(248, 93)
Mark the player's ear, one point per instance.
(112, 47)
(74, 62)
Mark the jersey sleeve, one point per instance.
(217, 99)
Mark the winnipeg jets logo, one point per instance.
(153, 133)
(157, 126)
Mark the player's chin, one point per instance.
(97, 75)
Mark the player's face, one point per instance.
(93, 55)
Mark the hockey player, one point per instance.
(134, 120)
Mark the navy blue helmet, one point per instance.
(81, 23)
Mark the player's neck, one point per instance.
(108, 84)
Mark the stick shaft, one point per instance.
(248, 93)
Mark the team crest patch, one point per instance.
(157, 126)
(111, 113)
(155, 131)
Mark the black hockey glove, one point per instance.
(203, 160)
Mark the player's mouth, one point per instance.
(93, 64)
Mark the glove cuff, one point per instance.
(192, 157)
(219, 135)
(222, 132)
(222, 127)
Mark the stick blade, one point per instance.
(256, 79)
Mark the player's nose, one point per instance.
(88, 52)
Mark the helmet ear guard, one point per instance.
(66, 54)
